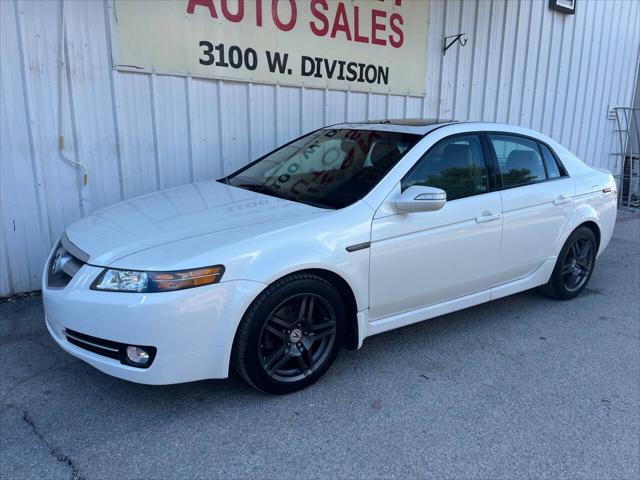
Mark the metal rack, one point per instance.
(627, 171)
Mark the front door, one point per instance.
(424, 258)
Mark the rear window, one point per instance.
(553, 170)
(519, 160)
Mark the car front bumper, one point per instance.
(191, 329)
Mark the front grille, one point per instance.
(106, 348)
(64, 264)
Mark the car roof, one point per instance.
(423, 126)
(418, 126)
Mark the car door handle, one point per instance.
(487, 217)
(561, 199)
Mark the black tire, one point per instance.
(574, 266)
(290, 335)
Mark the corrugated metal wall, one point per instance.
(137, 133)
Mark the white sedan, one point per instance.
(346, 232)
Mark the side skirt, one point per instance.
(369, 328)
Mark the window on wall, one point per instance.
(564, 6)
(519, 160)
(455, 165)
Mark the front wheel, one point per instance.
(290, 335)
(574, 266)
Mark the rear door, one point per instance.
(536, 196)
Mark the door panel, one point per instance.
(536, 203)
(423, 258)
(534, 217)
(419, 259)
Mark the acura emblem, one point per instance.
(296, 336)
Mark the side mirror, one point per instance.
(420, 199)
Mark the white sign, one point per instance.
(359, 45)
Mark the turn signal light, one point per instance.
(166, 281)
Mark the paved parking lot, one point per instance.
(521, 387)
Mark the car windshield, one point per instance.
(329, 168)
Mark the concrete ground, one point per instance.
(521, 387)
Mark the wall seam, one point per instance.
(526, 64)
(38, 179)
(154, 129)
(546, 75)
(486, 61)
(580, 63)
(276, 101)
(569, 70)
(513, 62)
(249, 107)
(187, 100)
(535, 75)
(600, 110)
(5, 248)
(499, 77)
(300, 110)
(473, 59)
(220, 134)
(593, 75)
(444, 34)
(114, 105)
(457, 65)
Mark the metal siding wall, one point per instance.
(25, 236)
(137, 133)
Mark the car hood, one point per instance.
(176, 214)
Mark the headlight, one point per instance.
(116, 280)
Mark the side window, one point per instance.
(456, 165)
(553, 171)
(519, 160)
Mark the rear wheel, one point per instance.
(574, 266)
(290, 335)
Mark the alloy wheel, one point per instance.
(577, 264)
(297, 337)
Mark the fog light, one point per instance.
(137, 355)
